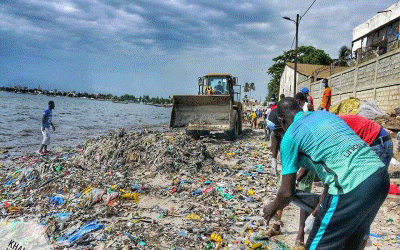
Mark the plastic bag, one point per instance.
(19, 234)
(309, 223)
(370, 110)
(90, 196)
(77, 233)
(346, 107)
(57, 200)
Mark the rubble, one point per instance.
(156, 190)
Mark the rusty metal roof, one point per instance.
(321, 71)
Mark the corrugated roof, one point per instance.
(322, 71)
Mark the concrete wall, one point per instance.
(377, 79)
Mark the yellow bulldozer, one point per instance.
(216, 108)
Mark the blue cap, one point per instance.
(304, 90)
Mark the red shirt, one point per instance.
(310, 100)
(366, 129)
(274, 106)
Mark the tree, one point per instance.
(246, 87)
(344, 56)
(306, 54)
(252, 87)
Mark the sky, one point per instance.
(160, 47)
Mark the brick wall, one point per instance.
(377, 79)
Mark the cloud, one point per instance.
(143, 39)
(170, 25)
(65, 6)
(258, 26)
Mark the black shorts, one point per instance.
(343, 220)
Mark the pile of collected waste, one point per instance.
(346, 107)
(145, 190)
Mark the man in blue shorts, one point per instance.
(46, 123)
(358, 181)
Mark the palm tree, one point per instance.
(246, 88)
(344, 56)
(252, 87)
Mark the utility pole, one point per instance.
(297, 22)
(295, 59)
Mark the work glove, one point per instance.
(275, 166)
(309, 224)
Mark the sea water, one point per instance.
(75, 119)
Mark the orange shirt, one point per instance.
(327, 99)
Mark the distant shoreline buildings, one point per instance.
(145, 99)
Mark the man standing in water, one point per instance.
(46, 122)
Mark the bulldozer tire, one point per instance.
(232, 133)
(195, 134)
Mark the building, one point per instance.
(378, 35)
(250, 105)
(306, 74)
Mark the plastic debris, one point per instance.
(78, 233)
(156, 190)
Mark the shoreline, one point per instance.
(9, 151)
(164, 105)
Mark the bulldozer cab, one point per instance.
(219, 84)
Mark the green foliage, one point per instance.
(252, 87)
(306, 55)
(246, 87)
(273, 88)
(344, 56)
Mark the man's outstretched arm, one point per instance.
(283, 198)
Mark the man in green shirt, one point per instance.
(358, 181)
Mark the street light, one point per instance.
(297, 41)
(384, 11)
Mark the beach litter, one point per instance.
(147, 190)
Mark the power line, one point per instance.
(308, 9)
(302, 17)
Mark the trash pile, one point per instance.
(347, 107)
(147, 190)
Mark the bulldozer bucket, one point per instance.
(197, 112)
